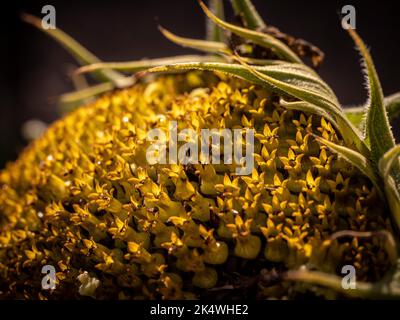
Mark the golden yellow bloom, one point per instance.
(84, 195)
(85, 199)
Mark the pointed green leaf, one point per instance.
(213, 47)
(377, 128)
(262, 39)
(296, 80)
(209, 47)
(296, 77)
(248, 12)
(202, 45)
(258, 62)
(81, 54)
(140, 65)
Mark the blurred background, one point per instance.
(34, 68)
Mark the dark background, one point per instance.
(34, 69)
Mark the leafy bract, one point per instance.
(261, 39)
(377, 128)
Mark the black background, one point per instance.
(34, 69)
